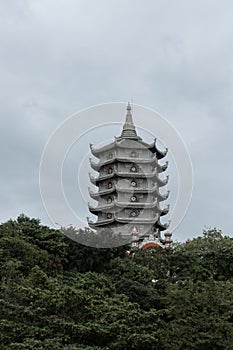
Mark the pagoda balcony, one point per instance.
(153, 175)
(144, 205)
(116, 204)
(140, 218)
(136, 174)
(154, 189)
(96, 195)
(161, 197)
(132, 205)
(95, 180)
(135, 220)
(96, 224)
(101, 207)
(130, 174)
(125, 174)
(97, 166)
(138, 189)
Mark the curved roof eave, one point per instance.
(159, 153)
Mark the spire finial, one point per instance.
(129, 118)
(129, 127)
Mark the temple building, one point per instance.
(129, 178)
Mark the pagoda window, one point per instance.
(134, 154)
(110, 155)
(133, 199)
(110, 184)
(109, 215)
(109, 200)
(134, 213)
(110, 170)
(133, 183)
(133, 169)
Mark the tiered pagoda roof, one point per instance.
(119, 142)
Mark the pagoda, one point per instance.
(129, 178)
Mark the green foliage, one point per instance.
(200, 315)
(58, 294)
(87, 258)
(202, 258)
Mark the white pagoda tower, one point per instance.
(128, 188)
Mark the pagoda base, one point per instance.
(151, 240)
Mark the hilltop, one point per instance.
(58, 294)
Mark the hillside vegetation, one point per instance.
(58, 294)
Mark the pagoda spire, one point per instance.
(129, 131)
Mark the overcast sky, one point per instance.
(176, 57)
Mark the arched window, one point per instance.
(134, 199)
(133, 154)
(133, 169)
(134, 213)
(109, 200)
(110, 170)
(133, 183)
(110, 155)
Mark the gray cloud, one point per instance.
(57, 57)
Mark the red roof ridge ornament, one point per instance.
(168, 239)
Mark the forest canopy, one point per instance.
(59, 294)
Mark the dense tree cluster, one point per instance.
(58, 294)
